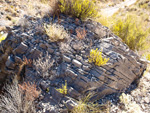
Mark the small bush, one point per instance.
(55, 32)
(82, 9)
(63, 90)
(131, 32)
(130, 105)
(43, 66)
(81, 33)
(96, 57)
(18, 99)
(105, 20)
(2, 36)
(29, 90)
(144, 4)
(148, 57)
(85, 106)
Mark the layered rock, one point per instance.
(70, 61)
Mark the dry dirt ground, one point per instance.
(135, 101)
(109, 11)
(11, 11)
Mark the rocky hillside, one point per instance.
(51, 62)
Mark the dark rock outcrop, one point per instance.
(71, 64)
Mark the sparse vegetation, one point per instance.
(97, 58)
(131, 32)
(43, 66)
(56, 32)
(63, 90)
(85, 106)
(29, 90)
(143, 4)
(19, 99)
(130, 106)
(2, 36)
(148, 57)
(82, 9)
(105, 21)
(81, 33)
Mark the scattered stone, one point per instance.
(77, 63)
(22, 48)
(71, 74)
(67, 59)
(70, 104)
(147, 100)
(86, 68)
(73, 93)
(10, 63)
(35, 53)
(80, 84)
(95, 73)
(90, 26)
(44, 85)
(25, 36)
(18, 60)
(61, 70)
(50, 50)
(79, 58)
(56, 95)
(43, 46)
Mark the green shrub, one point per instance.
(148, 57)
(63, 90)
(82, 9)
(96, 57)
(105, 20)
(2, 36)
(131, 32)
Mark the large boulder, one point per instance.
(68, 60)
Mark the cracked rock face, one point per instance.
(70, 62)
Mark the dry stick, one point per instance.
(25, 62)
(81, 34)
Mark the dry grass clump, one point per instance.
(85, 106)
(19, 99)
(43, 66)
(56, 32)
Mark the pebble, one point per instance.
(50, 50)
(77, 63)
(67, 59)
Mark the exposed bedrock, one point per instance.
(70, 59)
